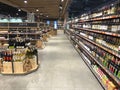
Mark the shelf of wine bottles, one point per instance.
(100, 46)
(109, 42)
(100, 32)
(99, 59)
(97, 35)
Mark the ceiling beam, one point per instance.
(66, 7)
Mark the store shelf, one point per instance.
(67, 32)
(4, 40)
(100, 32)
(106, 17)
(24, 73)
(21, 27)
(24, 33)
(105, 69)
(101, 18)
(109, 51)
(90, 67)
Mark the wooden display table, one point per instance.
(7, 68)
(20, 67)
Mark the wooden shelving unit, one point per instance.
(25, 30)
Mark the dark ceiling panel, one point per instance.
(49, 8)
(11, 11)
(78, 7)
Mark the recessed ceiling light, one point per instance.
(61, 7)
(62, 0)
(25, 1)
(19, 10)
(37, 10)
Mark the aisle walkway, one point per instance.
(61, 69)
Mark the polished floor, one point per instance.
(61, 68)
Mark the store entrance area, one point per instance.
(61, 68)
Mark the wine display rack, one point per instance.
(34, 32)
(96, 36)
(11, 30)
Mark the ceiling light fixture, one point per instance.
(62, 0)
(37, 10)
(19, 10)
(61, 7)
(25, 1)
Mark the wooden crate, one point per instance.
(39, 44)
(34, 62)
(7, 67)
(18, 67)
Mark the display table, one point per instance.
(20, 67)
(19, 61)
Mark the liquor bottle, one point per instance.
(5, 56)
(116, 70)
(118, 75)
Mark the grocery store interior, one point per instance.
(59, 44)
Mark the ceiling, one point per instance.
(78, 7)
(46, 8)
(9, 11)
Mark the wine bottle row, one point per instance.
(109, 9)
(113, 28)
(18, 54)
(7, 55)
(112, 43)
(104, 79)
(114, 21)
(16, 43)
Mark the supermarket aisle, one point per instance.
(61, 69)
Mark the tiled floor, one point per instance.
(61, 69)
